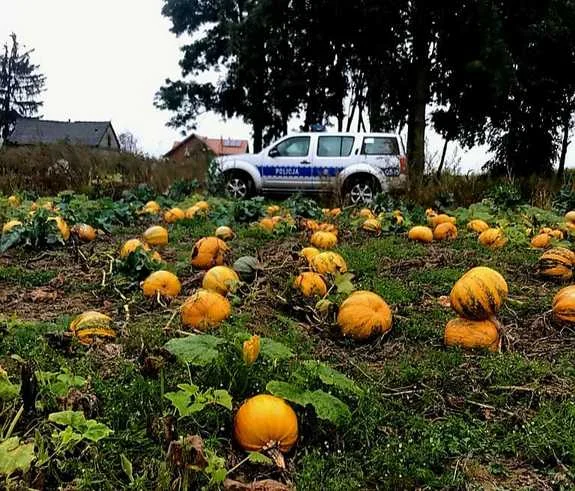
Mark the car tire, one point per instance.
(238, 185)
(361, 190)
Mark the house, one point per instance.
(95, 134)
(193, 144)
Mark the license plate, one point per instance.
(391, 171)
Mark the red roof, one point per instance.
(226, 146)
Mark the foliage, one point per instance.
(77, 429)
(36, 232)
(300, 206)
(190, 400)
(15, 456)
(505, 195)
(249, 210)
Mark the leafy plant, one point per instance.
(249, 210)
(182, 189)
(77, 429)
(215, 179)
(15, 456)
(137, 265)
(505, 195)
(190, 400)
(301, 206)
(37, 232)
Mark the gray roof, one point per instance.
(29, 131)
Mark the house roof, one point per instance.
(29, 131)
(219, 146)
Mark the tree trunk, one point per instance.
(419, 94)
(564, 144)
(442, 161)
(258, 136)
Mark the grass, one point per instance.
(426, 417)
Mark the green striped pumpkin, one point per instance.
(557, 264)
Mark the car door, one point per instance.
(332, 154)
(382, 152)
(287, 164)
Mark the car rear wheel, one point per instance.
(361, 190)
(238, 185)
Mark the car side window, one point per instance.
(380, 145)
(334, 146)
(297, 146)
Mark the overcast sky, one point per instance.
(105, 60)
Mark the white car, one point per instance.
(355, 165)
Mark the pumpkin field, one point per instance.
(155, 342)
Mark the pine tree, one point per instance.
(20, 84)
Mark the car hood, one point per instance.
(244, 157)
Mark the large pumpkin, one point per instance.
(323, 240)
(541, 241)
(435, 220)
(221, 279)
(479, 294)
(310, 284)
(472, 334)
(156, 236)
(557, 264)
(328, 262)
(209, 252)
(162, 283)
(265, 420)
(364, 314)
(131, 246)
(421, 234)
(84, 232)
(492, 237)
(205, 309)
(90, 325)
(173, 215)
(372, 225)
(224, 233)
(564, 304)
(8, 226)
(477, 226)
(444, 231)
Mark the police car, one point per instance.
(356, 165)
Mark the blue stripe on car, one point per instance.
(297, 171)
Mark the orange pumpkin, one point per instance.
(328, 263)
(162, 283)
(84, 232)
(372, 225)
(364, 314)
(204, 206)
(323, 240)
(366, 213)
(224, 233)
(131, 246)
(564, 305)
(557, 264)
(435, 220)
(209, 252)
(421, 234)
(309, 253)
(90, 325)
(492, 237)
(541, 241)
(267, 224)
(273, 210)
(156, 236)
(221, 279)
(310, 284)
(444, 231)
(192, 211)
(205, 309)
(472, 334)
(8, 226)
(570, 217)
(151, 208)
(477, 226)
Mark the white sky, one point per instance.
(105, 60)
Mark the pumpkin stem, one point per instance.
(272, 449)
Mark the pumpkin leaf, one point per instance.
(258, 458)
(223, 398)
(199, 349)
(127, 467)
(180, 400)
(15, 456)
(95, 431)
(343, 283)
(8, 390)
(288, 392)
(274, 350)
(78, 427)
(330, 376)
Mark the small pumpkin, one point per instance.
(310, 284)
(221, 279)
(174, 214)
(364, 314)
(62, 227)
(421, 234)
(209, 252)
(541, 241)
(477, 226)
(309, 253)
(327, 227)
(557, 264)
(265, 420)
(192, 211)
(492, 237)
(267, 224)
(444, 231)
(204, 206)
(162, 283)
(372, 225)
(273, 210)
(328, 262)
(570, 217)
(366, 213)
(156, 236)
(205, 309)
(151, 208)
(472, 334)
(84, 232)
(247, 267)
(224, 233)
(435, 220)
(131, 246)
(557, 234)
(479, 293)
(8, 226)
(564, 305)
(91, 324)
(430, 212)
(335, 212)
(311, 225)
(323, 240)
(155, 256)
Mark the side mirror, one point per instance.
(274, 152)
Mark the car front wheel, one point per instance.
(238, 186)
(361, 191)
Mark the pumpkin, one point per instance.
(557, 234)
(325, 211)
(151, 208)
(541, 241)
(435, 220)
(398, 219)
(62, 226)
(173, 215)
(492, 237)
(564, 304)
(251, 350)
(131, 246)
(209, 252)
(324, 240)
(156, 236)
(8, 226)
(273, 210)
(247, 267)
(14, 201)
(366, 213)
(192, 211)
(310, 284)
(263, 421)
(372, 225)
(309, 253)
(327, 227)
(155, 256)
(444, 231)
(328, 262)
(570, 217)
(221, 279)
(421, 234)
(546, 230)
(277, 219)
(479, 293)
(364, 314)
(203, 206)
(205, 309)
(477, 226)
(267, 224)
(311, 225)
(472, 334)
(335, 212)
(557, 263)
(91, 324)
(84, 232)
(224, 233)
(162, 283)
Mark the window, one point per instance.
(380, 146)
(334, 146)
(298, 146)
